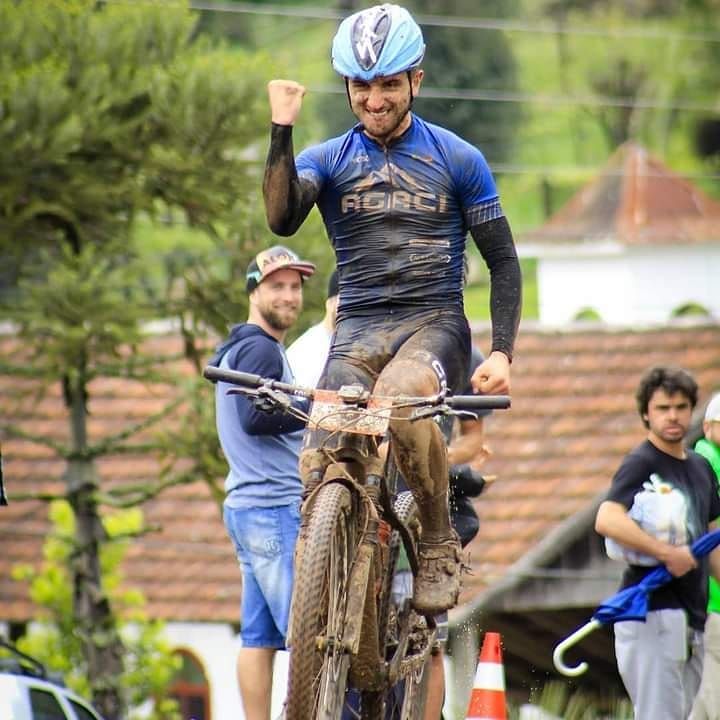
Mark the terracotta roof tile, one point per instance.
(187, 568)
(636, 200)
(573, 418)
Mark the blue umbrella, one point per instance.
(630, 603)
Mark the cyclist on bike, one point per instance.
(398, 196)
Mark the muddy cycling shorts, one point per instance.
(363, 346)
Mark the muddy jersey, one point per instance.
(398, 216)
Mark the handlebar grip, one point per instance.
(478, 402)
(234, 377)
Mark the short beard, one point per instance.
(276, 322)
(382, 138)
(397, 125)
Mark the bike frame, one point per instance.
(354, 419)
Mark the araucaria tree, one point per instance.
(110, 116)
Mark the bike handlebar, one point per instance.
(250, 380)
(234, 377)
(456, 402)
(477, 402)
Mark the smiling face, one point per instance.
(668, 419)
(276, 302)
(382, 105)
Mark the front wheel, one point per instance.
(318, 662)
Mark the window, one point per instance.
(190, 688)
(45, 706)
(82, 712)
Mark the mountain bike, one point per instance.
(357, 650)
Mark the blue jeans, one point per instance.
(264, 540)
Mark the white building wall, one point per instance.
(567, 285)
(667, 278)
(216, 647)
(628, 285)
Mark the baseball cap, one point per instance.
(712, 412)
(278, 257)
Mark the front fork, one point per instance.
(370, 564)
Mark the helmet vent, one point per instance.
(369, 33)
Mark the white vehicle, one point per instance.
(27, 692)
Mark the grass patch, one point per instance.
(477, 296)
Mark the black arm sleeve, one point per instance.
(494, 240)
(288, 199)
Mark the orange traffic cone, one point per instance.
(487, 701)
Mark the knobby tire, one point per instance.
(318, 663)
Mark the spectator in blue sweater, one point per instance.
(263, 487)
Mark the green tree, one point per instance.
(114, 118)
(643, 79)
(619, 80)
(149, 663)
(636, 8)
(470, 59)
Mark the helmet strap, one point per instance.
(412, 97)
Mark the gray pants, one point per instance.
(707, 702)
(660, 662)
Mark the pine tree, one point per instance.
(113, 118)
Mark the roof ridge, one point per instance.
(635, 197)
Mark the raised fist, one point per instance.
(285, 101)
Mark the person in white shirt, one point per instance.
(307, 355)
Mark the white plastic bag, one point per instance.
(661, 511)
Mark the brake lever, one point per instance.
(248, 392)
(465, 413)
(427, 412)
(435, 410)
(279, 398)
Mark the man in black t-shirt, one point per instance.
(662, 498)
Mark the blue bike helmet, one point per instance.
(380, 41)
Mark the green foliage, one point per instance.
(588, 315)
(691, 309)
(462, 59)
(109, 113)
(559, 700)
(83, 309)
(149, 663)
(633, 8)
(114, 116)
